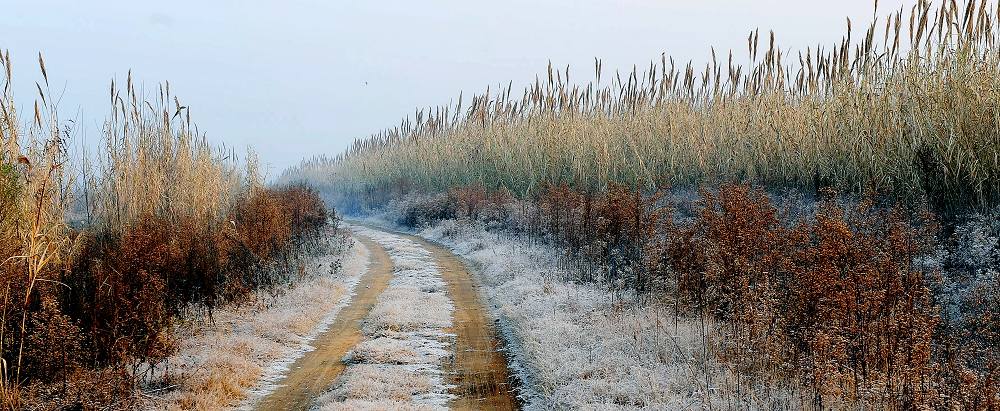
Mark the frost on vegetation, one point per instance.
(399, 349)
(971, 272)
(403, 309)
(978, 242)
(578, 346)
(236, 356)
(399, 363)
(376, 405)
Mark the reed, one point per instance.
(97, 266)
(34, 236)
(156, 163)
(906, 106)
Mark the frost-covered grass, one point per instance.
(234, 358)
(587, 345)
(376, 405)
(578, 346)
(399, 349)
(399, 364)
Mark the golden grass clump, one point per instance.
(33, 236)
(908, 107)
(97, 265)
(155, 163)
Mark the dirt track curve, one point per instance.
(477, 369)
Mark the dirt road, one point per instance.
(313, 373)
(479, 371)
(475, 371)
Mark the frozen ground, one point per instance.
(577, 346)
(399, 363)
(235, 359)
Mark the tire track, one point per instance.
(475, 374)
(312, 374)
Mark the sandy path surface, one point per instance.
(478, 370)
(313, 373)
(475, 371)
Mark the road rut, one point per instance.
(315, 371)
(476, 370)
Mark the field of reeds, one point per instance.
(904, 106)
(830, 215)
(101, 253)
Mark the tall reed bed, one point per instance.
(155, 162)
(904, 106)
(164, 226)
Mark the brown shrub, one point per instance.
(116, 299)
(304, 211)
(832, 298)
(118, 291)
(609, 232)
(264, 230)
(55, 346)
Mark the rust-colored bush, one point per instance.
(835, 298)
(860, 309)
(304, 210)
(431, 209)
(610, 232)
(831, 296)
(480, 204)
(264, 230)
(118, 294)
(118, 291)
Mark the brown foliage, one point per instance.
(835, 298)
(611, 231)
(119, 293)
(830, 299)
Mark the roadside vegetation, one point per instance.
(903, 107)
(770, 300)
(102, 253)
(825, 221)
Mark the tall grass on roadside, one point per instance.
(33, 237)
(172, 227)
(155, 163)
(906, 106)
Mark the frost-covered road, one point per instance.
(415, 336)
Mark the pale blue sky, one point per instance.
(289, 77)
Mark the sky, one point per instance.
(298, 78)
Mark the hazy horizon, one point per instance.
(303, 78)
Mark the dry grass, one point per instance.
(156, 163)
(162, 223)
(905, 106)
(34, 239)
(794, 303)
(231, 358)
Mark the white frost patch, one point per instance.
(399, 364)
(399, 349)
(276, 370)
(579, 346)
(376, 405)
(235, 359)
